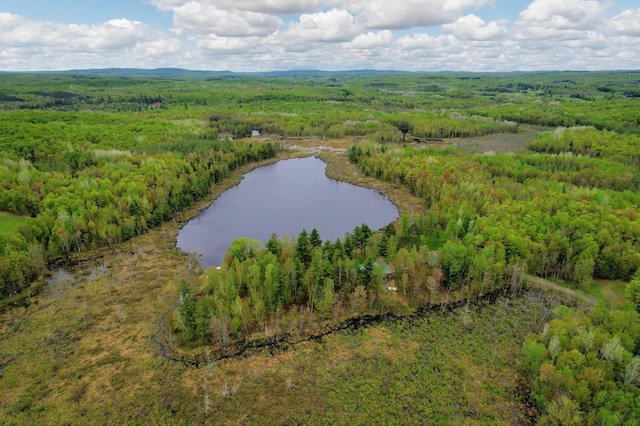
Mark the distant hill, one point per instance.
(150, 73)
(181, 73)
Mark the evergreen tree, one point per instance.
(314, 238)
(303, 248)
(274, 245)
(186, 310)
(383, 245)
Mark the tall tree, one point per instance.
(274, 245)
(303, 248)
(314, 238)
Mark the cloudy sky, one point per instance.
(265, 35)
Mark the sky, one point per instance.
(332, 35)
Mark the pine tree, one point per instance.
(315, 239)
(303, 248)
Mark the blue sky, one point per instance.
(262, 35)
(88, 11)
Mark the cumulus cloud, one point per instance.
(156, 47)
(207, 19)
(425, 41)
(251, 35)
(384, 14)
(472, 27)
(286, 7)
(567, 20)
(563, 15)
(24, 41)
(262, 6)
(372, 14)
(334, 25)
(626, 23)
(228, 45)
(371, 40)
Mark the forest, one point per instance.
(515, 175)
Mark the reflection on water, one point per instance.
(285, 198)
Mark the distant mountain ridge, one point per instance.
(176, 72)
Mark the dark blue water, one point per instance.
(285, 198)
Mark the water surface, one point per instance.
(285, 197)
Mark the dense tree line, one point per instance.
(380, 127)
(291, 285)
(589, 142)
(585, 368)
(560, 216)
(97, 197)
(619, 115)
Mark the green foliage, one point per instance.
(455, 262)
(587, 141)
(452, 371)
(274, 246)
(114, 156)
(562, 412)
(9, 224)
(303, 248)
(565, 217)
(185, 316)
(243, 248)
(632, 292)
(291, 281)
(589, 370)
(91, 179)
(314, 238)
(533, 354)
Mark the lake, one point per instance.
(285, 197)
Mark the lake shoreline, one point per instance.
(284, 198)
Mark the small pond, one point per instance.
(285, 197)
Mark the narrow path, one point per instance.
(548, 284)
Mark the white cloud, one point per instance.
(251, 35)
(563, 14)
(385, 14)
(168, 5)
(563, 21)
(425, 41)
(334, 25)
(156, 47)
(286, 7)
(530, 34)
(372, 14)
(471, 27)
(27, 43)
(627, 23)
(371, 40)
(228, 45)
(205, 19)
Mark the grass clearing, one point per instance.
(447, 368)
(611, 292)
(499, 142)
(9, 223)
